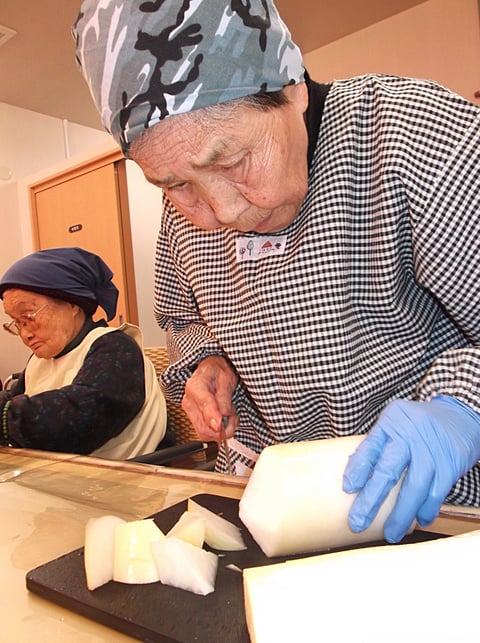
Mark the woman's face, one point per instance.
(247, 172)
(55, 325)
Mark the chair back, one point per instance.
(177, 418)
(10, 381)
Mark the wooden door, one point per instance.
(87, 206)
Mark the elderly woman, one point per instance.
(319, 251)
(87, 387)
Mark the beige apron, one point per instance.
(146, 429)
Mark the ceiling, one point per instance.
(37, 65)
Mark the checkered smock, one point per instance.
(377, 294)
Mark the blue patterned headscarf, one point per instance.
(71, 274)
(146, 60)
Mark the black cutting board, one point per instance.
(157, 612)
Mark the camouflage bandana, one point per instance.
(147, 60)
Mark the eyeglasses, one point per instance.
(16, 326)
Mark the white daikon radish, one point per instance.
(219, 533)
(133, 558)
(394, 593)
(99, 548)
(185, 566)
(294, 503)
(189, 527)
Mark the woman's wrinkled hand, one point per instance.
(208, 397)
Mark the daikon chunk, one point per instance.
(189, 527)
(99, 549)
(185, 566)
(219, 533)
(294, 503)
(394, 593)
(133, 558)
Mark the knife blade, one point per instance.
(225, 445)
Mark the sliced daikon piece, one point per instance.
(294, 503)
(393, 593)
(133, 559)
(99, 549)
(219, 533)
(185, 566)
(189, 527)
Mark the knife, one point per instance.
(225, 445)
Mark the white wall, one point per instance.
(145, 201)
(439, 40)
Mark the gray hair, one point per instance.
(220, 112)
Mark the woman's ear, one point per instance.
(77, 311)
(297, 94)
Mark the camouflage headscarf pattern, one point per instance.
(146, 60)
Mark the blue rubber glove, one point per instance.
(439, 441)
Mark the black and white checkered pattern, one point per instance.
(377, 295)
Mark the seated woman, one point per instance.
(87, 388)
